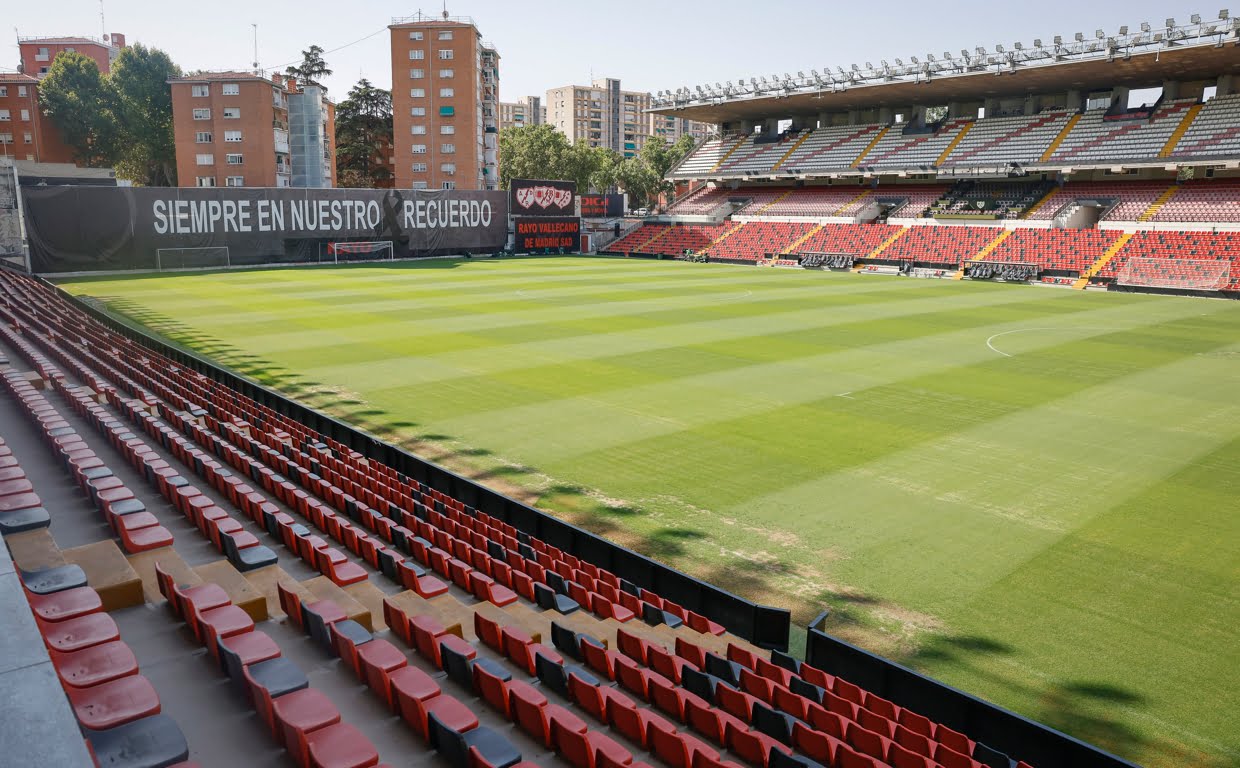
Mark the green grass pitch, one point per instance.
(1028, 493)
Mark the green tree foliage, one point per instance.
(78, 100)
(363, 133)
(312, 67)
(123, 120)
(541, 152)
(142, 106)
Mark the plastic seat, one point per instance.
(478, 747)
(347, 637)
(599, 659)
(340, 746)
(409, 686)
(426, 631)
(378, 659)
(76, 634)
(114, 703)
(318, 617)
(297, 714)
(222, 622)
(678, 750)
(527, 706)
(448, 710)
(45, 581)
(64, 605)
(269, 680)
(490, 680)
(630, 721)
(95, 665)
(240, 651)
(150, 742)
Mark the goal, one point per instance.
(205, 257)
(361, 250)
(1182, 274)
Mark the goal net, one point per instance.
(361, 250)
(192, 258)
(1184, 274)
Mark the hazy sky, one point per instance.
(648, 45)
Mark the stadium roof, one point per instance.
(1092, 66)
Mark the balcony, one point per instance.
(281, 140)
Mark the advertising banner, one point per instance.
(529, 197)
(537, 234)
(128, 228)
(602, 206)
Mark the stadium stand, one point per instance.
(995, 200)
(1002, 141)
(1103, 135)
(912, 148)
(1202, 201)
(1123, 201)
(1215, 132)
(831, 148)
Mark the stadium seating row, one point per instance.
(199, 420)
(1053, 137)
(1071, 251)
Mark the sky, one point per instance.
(649, 46)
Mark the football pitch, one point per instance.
(1032, 494)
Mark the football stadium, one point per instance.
(903, 432)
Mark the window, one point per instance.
(446, 93)
(43, 54)
(417, 93)
(447, 130)
(199, 91)
(417, 74)
(417, 112)
(233, 159)
(205, 159)
(25, 115)
(447, 74)
(449, 185)
(202, 113)
(448, 167)
(419, 149)
(417, 130)
(232, 113)
(21, 90)
(6, 138)
(234, 181)
(445, 35)
(232, 89)
(447, 149)
(445, 54)
(447, 111)
(203, 137)
(417, 54)
(419, 185)
(232, 136)
(419, 167)
(5, 116)
(28, 138)
(415, 35)
(4, 91)
(206, 181)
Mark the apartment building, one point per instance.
(527, 110)
(25, 132)
(606, 115)
(37, 53)
(445, 104)
(239, 129)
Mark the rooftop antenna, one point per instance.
(103, 24)
(255, 28)
(445, 10)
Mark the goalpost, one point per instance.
(361, 250)
(1182, 274)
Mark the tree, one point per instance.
(531, 152)
(644, 177)
(312, 66)
(363, 135)
(142, 105)
(77, 99)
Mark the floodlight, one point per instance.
(930, 57)
(717, 85)
(964, 53)
(1195, 18)
(801, 74)
(1223, 15)
(1170, 23)
(1145, 26)
(1058, 39)
(915, 60)
(868, 65)
(1080, 37)
(814, 72)
(899, 62)
(1123, 30)
(1037, 42)
(855, 68)
(999, 49)
(947, 55)
(980, 51)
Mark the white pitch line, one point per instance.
(993, 348)
(847, 395)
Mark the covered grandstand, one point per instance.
(1054, 155)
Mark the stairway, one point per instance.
(804, 135)
(992, 245)
(729, 153)
(1102, 261)
(869, 147)
(1180, 130)
(801, 240)
(1045, 199)
(1046, 156)
(779, 199)
(861, 196)
(721, 238)
(884, 245)
(1149, 213)
(947, 152)
(657, 236)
